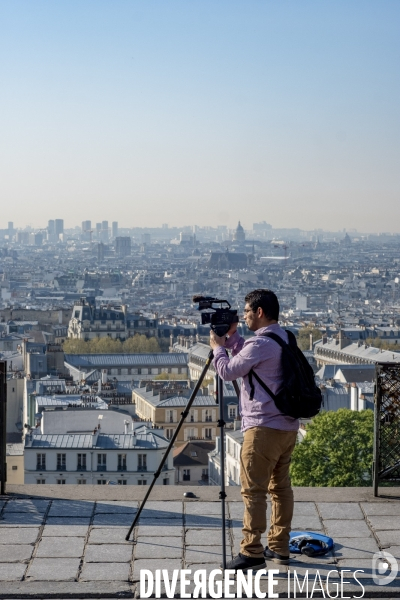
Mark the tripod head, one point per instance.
(220, 318)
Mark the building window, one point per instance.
(14, 468)
(61, 481)
(61, 462)
(121, 481)
(101, 482)
(207, 416)
(40, 462)
(169, 433)
(208, 433)
(186, 474)
(121, 462)
(142, 482)
(142, 462)
(102, 462)
(204, 474)
(165, 481)
(232, 412)
(40, 481)
(81, 466)
(81, 481)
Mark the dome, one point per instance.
(239, 235)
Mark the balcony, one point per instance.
(121, 468)
(101, 467)
(61, 468)
(142, 468)
(81, 468)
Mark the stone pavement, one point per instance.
(70, 543)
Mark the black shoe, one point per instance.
(275, 557)
(246, 563)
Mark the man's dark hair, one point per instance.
(265, 299)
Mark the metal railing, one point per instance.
(387, 425)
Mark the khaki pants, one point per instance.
(264, 463)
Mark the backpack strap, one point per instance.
(252, 373)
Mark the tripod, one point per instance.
(221, 425)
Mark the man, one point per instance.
(269, 436)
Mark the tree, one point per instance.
(303, 340)
(337, 450)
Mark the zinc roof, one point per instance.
(128, 360)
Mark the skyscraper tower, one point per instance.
(114, 229)
(59, 226)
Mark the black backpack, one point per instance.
(299, 396)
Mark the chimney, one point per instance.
(126, 427)
(354, 397)
(104, 376)
(311, 341)
(324, 338)
(236, 424)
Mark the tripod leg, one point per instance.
(222, 494)
(172, 441)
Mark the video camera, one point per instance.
(221, 318)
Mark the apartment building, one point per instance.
(163, 406)
(129, 458)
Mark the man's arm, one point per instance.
(241, 364)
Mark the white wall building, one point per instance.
(79, 456)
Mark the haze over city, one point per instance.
(201, 113)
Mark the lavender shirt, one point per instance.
(264, 356)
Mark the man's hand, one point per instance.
(216, 341)
(232, 329)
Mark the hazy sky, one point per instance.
(194, 111)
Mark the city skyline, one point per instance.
(149, 113)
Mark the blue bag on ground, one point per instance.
(309, 543)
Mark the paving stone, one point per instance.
(381, 508)
(15, 553)
(357, 563)
(11, 572)
(384, 522)
(305, 509)
(115, 553)
(199, 521)
(203, 508)
(18, 535)
(54, 569)
(160, 530)
(23, 519)
(119, 507)
(68, 521)
(236, 510)
(204, 537)
(208, 567)
(394, 551)
(347, 528)
(106, 535)
(27, 505)
(300, 559)
(65, 531)
(342, 510)
(105, 572)
(306, 523)
(67, 590)
(71, 508)
(387, 538)
(202, 554)
(160, 550)
(355, 547)
(57, 547)
(113, 520)
(316, 565)
(153, 564)
(162, 510)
